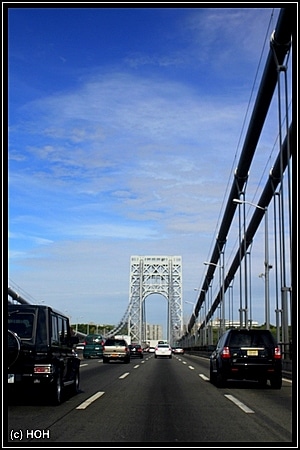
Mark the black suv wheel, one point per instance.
(75, 386)
(212, 375)
(56, 392)
(14, 346)
(276, 382)
(220, 379)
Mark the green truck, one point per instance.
(93, 346)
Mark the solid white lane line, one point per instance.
(90, 400)
(239, 404)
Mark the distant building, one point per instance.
(153, 332)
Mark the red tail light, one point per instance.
(277, 353)
(43, 368)
(226, 353)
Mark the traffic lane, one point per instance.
(90, 368)
(30, 410)
(163, 400)
(264, 400)
(161, 403)
(60, 421)
(279, 421)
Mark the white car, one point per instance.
(163, 350)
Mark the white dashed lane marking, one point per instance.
(124, 375)
(204, 377)
(239, 404)
(90, 400)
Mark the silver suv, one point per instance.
(116, 350)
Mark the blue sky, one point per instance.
(125, 127)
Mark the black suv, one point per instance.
(243, 354)
(136, 351)
(40, 351)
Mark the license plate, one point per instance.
(114, 355)
(252, 352)
(11, 378)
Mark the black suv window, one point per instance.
(21, 324)
(59, 329)
(222, 340)
(253, 338)
(240, 339)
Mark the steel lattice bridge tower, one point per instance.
(155, 275)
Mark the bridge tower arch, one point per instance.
(155, 275)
